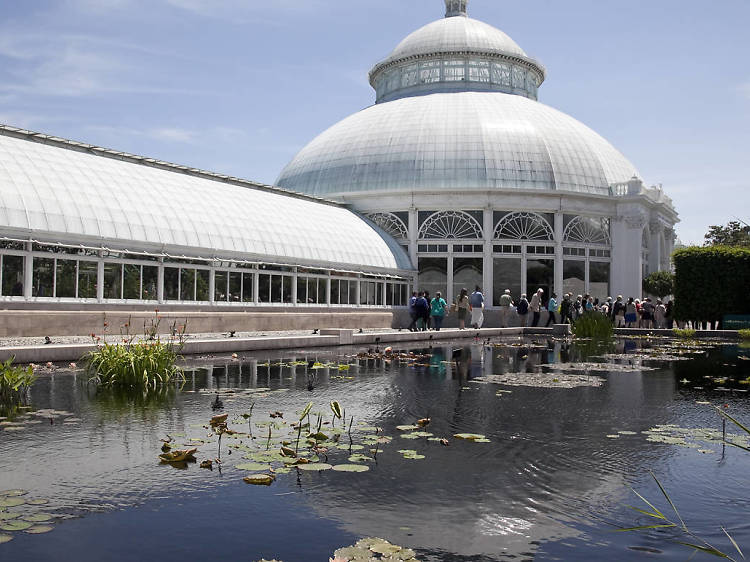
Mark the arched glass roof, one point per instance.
(55, 193)
(457, 141)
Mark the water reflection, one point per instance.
(546, 478)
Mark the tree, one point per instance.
(659, 283)
(733, 234)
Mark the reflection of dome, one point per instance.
(457, 109)
(455, 141)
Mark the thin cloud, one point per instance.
(242, 11)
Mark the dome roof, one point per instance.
(457, 141)
(455, 35)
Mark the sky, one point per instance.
(240, 86)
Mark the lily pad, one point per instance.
(8, 515)
(37, 518)
(259, 479)
(410, 436)
(252, 466)
(315, 466)
(351, 468)
(15, 525)
(407, 427)
(38, 501)
(344, 447)
(627, 433)
(11, 502)
(39, 529)
(5, 538)
(469, 436)
(360, 458)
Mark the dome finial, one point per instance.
(455, 8)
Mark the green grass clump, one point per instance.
(14, 381)
(686, 334)
(744, 334)
(134, 365)
(593, 325)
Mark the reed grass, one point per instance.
(594, 325)
(744, 334)
(685, 334)
(134, 364)
(14, 381)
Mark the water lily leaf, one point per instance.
(367, 428)
(627, 433)
(320, 436)
(410, 436)
(39, 529)
(252, 466)
(181, 455)
(469, 436)
(11, 502)
(336, 408)
(259, 479)
(613, 436)
(282, 470)
(385, 548)
(482, 441)
(8, 515)
(37, 517)
(351, 468)
(13, 493)
(407, 427)
(5, 538)
(360, 458)
(315, 466)
(15, 525)
(423, 434)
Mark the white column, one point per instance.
(160, 283)
(449, 274)
(256, 287)
(487, 267)
(328, 282)
(28, 272)
(212, 285)
(294, 288)
(100, 280)
(559, 255)
(654, 249)
(627, 264)
(413, 235)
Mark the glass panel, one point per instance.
(378, 288)
(264, 288)
(201, 285)
(467, 273)
(540, 274)
(235, 287)
(87, 273)
(506, 274)
(132, 282)
(12, 276)
(44, 271)
(574, 277)
(335, 295)
(352, 292)
(65, 279)
(187, 284)
(276, 288)
(220, 286)
(171, 283)
(150, 283)
(599, 280)
(322, 290)
(247, 287)
(112, 281)
(433, 275)
(302, 290)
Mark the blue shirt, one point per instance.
(552, 305)
(476, 300)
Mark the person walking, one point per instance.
(426, 318)
(578, 307)
(477, 308)
(506, 301)
(647, 314)
(535, 305)
(523, 310)
(631, 313)
(660, 312)
(618, 312)
(413, 312)
(422, 308)
(437, 311)
(669, 314)
(462, 307)
(566, 310)
(552, 309)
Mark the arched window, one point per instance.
(524, 226)
(450, 225)
(390, 223)
(587, 231)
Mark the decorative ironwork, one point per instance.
(450, 225)
(390, 223)
(524, 226)
(587, 230)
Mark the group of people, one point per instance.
(427, 313)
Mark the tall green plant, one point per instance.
(134, 365)
(593, 325)
(659, 283)
(14, 381)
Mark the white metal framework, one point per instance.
(455, 225)
(587, 230)
(390, 223)
(523, 226)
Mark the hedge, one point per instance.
(711, 282)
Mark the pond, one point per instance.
(561, 441)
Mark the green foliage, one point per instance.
(744, 334)
(14, 381)
(659, 283)
(593, 325)
(733, 234)
(134, 365)
(686, 334)
(711, 282)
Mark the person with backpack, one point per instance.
(631, 313)
(413, 312)
(551, 309)
(566, 310)
(426, 318)
(422, 308)
(523, 310)
(618, 312)
(437, 311)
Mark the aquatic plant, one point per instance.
(14, 381)
(594, 325)
(744, 334)
(134, 364)
(685, 334)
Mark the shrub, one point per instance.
(686, 334)
(134, 365)
(659, 284)
(744, 334)
(593, 325)
(14, 381)
(711, 282)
